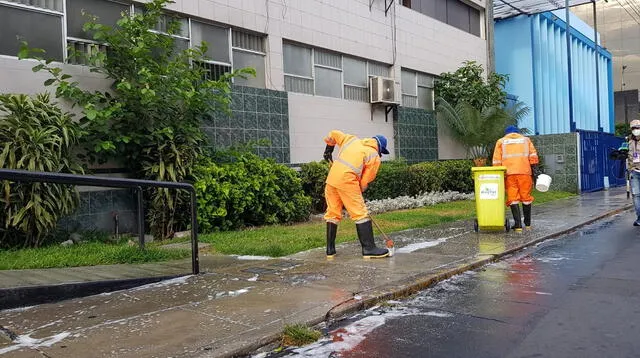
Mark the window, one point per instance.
(297, 68)
(249, 51)
(216, 39)
(55, 5)
(453, 12)
(79, 41)
(40, 23)
(40, 28)
(329, 74)
(417, 89)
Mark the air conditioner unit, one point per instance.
(382, 90)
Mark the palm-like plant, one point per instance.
(478, 130)
(35, 135)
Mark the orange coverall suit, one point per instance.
(517, 153)
(352, 170)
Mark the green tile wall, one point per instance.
(256, 114)
(416, 135)
(97, 208)
(563, 170)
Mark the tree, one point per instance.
(468, 84)
(150, 119)
(478, 130)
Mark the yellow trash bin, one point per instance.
(490, 198)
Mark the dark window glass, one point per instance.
(441, 10)
(458, 15)
(38, 29)
(107, 12)
(474, 21)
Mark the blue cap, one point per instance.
(382, 144)
(511, 129)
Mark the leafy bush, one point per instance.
(313, 177)
(395, 179)
(35, 135)
(248, 191)
(425, 178)
(390, 182)
(457, 176)
(469, 84)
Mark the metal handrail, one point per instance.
(89, 180)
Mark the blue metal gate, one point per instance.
(595, 164)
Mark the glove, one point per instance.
(328, 153)
(536, 170)
(624, 146)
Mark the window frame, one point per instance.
(417, 6)
(254, 52)
(61, 15)
(66, 39)
(368, 69)
(417, 87)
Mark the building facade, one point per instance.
(314, 60)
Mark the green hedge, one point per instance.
(396, 178)
(246, 190)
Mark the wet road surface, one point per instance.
(578, 296)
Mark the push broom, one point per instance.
(388, 242)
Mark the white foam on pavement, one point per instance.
(25, 341)
(250, 257)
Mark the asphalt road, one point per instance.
(577, 296)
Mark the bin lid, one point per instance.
(489, 169)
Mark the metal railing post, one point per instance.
(195, 262)
(140, 209)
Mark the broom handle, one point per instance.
(379, 229)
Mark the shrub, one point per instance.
(425, 177)
(395, 179)
(313, 177)
(248, 191)
(390, 182)
(457, 176)
(35, 135)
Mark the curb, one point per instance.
(412, 285)
(16, 297)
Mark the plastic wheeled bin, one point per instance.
(490, 198)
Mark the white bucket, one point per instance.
(543, 182)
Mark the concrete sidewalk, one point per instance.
(239, 305)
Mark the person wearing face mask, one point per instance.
(633, 166)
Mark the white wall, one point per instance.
(316, 116)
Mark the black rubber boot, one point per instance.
(526, 209)
(369, 248)
(332, 230)
(517, 218)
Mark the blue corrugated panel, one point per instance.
(533, 51)
(595, 164)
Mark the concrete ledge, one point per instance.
(35, 295)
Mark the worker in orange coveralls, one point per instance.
(354, 168)
(517, 153)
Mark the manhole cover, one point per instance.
(259, 270)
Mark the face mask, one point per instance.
(636, 132)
